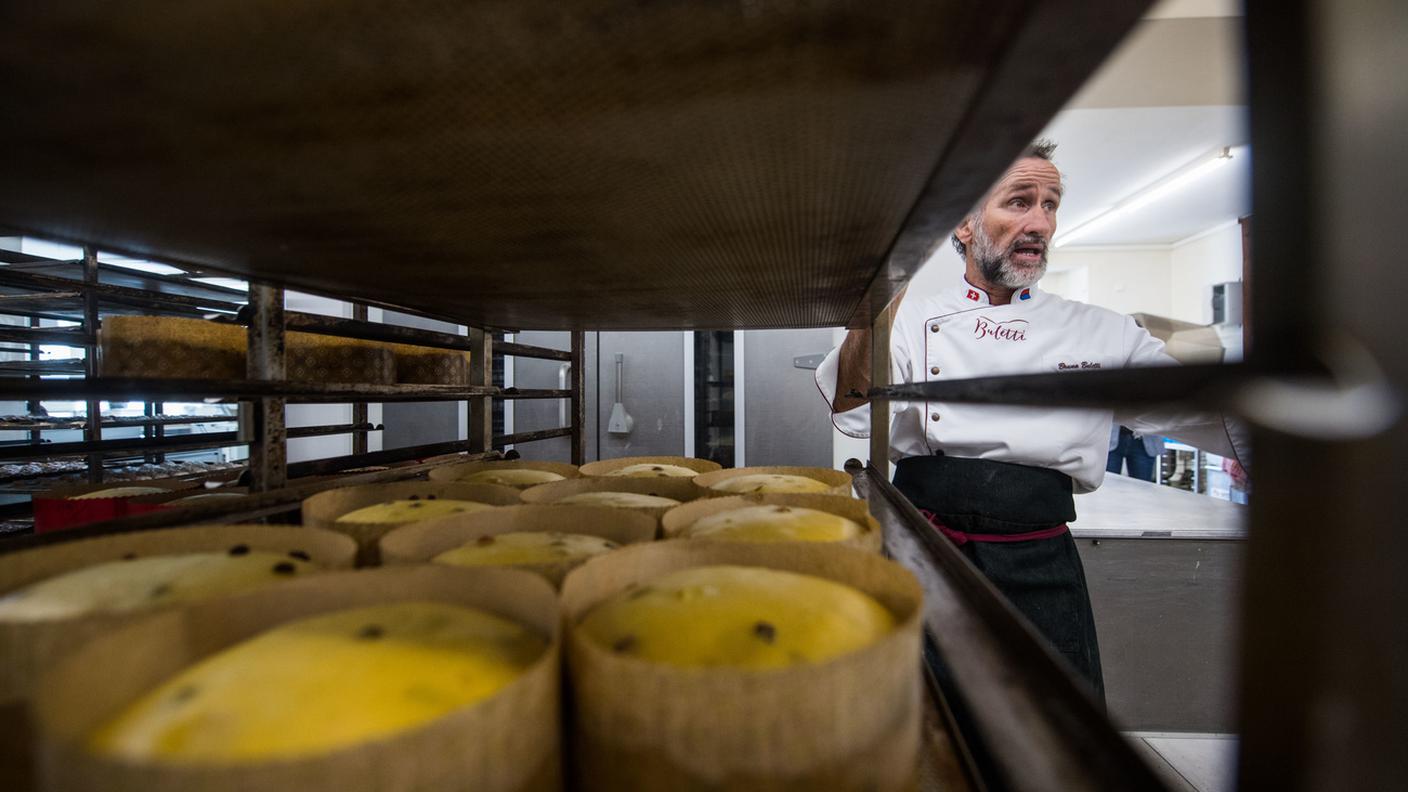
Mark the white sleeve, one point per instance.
(856, 422)
(1209, 431)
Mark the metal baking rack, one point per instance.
(1323, 646)
(85, 291)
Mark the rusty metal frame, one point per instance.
(359, 408)
(481, 373)
(93, 425)
(578, 388)
(268, 443)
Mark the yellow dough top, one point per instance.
(404, 511)
(654, 470)
(770, 482)
(120, 492)
(624, 500)
(137, 583)
(512, 477)
(525, 547)
(775, 524)
(738, 617)
(323, 683)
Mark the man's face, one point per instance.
(1008, 238)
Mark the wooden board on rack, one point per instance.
(606, 165)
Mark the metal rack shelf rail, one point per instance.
(38, 288)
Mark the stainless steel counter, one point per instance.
(1126, 508)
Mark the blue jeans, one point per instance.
(1130, 451)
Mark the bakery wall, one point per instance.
(785, 420)
(1123, 279)
(1200, 263)
(653, 393)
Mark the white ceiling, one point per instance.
(1194, 8)
(1108, 155)
(1170, 95)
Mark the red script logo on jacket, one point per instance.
(1010, 330)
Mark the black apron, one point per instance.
(1010, 521)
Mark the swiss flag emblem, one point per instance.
(973, 295)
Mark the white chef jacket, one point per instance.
(958, 333)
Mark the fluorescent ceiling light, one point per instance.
(1169, 184)
(229, 283)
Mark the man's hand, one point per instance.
(853, 369)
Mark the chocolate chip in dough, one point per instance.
(782, 510)
(239, 550)
(638, 593)
(765, 632)
(284, 568)
(184, 693)
(371, 632)
(622, 645)
(657, 467)
(129, 556)
(300, 555)
(160, 590)
(484, 541)
(430, 497)
(414, 497)
(610, 545)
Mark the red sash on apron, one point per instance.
(961, 538)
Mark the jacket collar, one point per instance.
(969, 294)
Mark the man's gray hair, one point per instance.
(1041, 148)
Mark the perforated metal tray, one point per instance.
(535, 164)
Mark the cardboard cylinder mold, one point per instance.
(848, 723)
(461, 470)
(421, 542)
(838, 481)
(681, 489)
(28, 648)
(677, 521)
(69, 507)
(326, 508)
(608, 467)
(507, 742)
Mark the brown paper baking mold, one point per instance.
(606, 466)
(681, 489)
(323, 509)
(838, 480)
(458, 471)
(676, 520)
(851, 723)
(421, 542)
(510, 741)
(28, 648)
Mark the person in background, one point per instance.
(1138, 452)
(998, 479)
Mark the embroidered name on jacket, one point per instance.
(1010, 330)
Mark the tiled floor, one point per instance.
(1191, 762)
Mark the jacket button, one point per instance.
(934, 370)
(934, 328)
(933, 416)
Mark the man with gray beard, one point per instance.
(998, 480)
